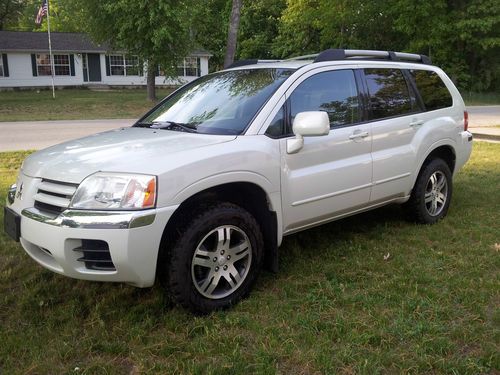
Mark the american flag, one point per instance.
(44, 8)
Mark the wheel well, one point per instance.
(247, 195)
(447, 153)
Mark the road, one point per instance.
(35, 135)
(487, 115)
(26, 135)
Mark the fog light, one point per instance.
(11, 195)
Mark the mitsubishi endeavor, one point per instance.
(200, 192)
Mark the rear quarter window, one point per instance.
(433, 91)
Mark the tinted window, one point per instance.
(277, 127)
(333, 92)
(388, 92)
(432, 89)
(220, 103)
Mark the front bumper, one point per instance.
(133, 239)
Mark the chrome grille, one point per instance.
(54, 196)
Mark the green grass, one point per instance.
(485, 98)
(335, 307)
(74, 104)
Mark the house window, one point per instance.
(124, 65)
(61, 65)
(2, 74)
(189, 67)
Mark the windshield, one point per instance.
(219, 103)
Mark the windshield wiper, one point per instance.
(171, 125)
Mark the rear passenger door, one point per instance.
(395, 116)
(331, 174)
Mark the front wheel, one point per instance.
(431, 195)
(215, 260)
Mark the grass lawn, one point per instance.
(335, 307)
(486, 98)
(74, 104)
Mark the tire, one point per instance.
(431, 195)
(200, 273)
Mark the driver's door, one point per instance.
(331, 174)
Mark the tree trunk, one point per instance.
(232, 34)
(151, 88)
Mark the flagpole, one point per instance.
(50, 51)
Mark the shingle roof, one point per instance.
(29, 41)
(38, 41)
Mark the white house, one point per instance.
(24, 62)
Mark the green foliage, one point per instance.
(10, 13)
(461, 37)
(259, 27)
(65, 15)
(309, 26)
(209, 29)
(154, 30)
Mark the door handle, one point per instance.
(358, 134)
(416, 123)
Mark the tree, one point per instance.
(232, 34)
(209, 29)
(10, 12)
(461, 36)
(258, 28)
(157, 31)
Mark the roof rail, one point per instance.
(249, 62)
(343, 54)
(304, 57)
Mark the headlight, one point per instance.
(11, 194)
(115, 191)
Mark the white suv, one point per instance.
(202, 189)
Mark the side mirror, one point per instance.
(307, 124)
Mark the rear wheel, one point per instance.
(215, 260)
(431, 195)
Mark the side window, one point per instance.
(388, 93)
(433, 91)
(277, 127)
(333, 92)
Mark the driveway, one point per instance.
(35, 135)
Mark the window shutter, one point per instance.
(198, 66)
(33, 65)
(5, 65)
(108, 68)
(72, 64)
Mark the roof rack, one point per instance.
(304, 57)
(249, 62)
(343, 54)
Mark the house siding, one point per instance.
(21, 73)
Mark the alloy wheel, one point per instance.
(221, 262)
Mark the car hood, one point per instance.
(132, 150)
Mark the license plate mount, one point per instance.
(12, 224)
